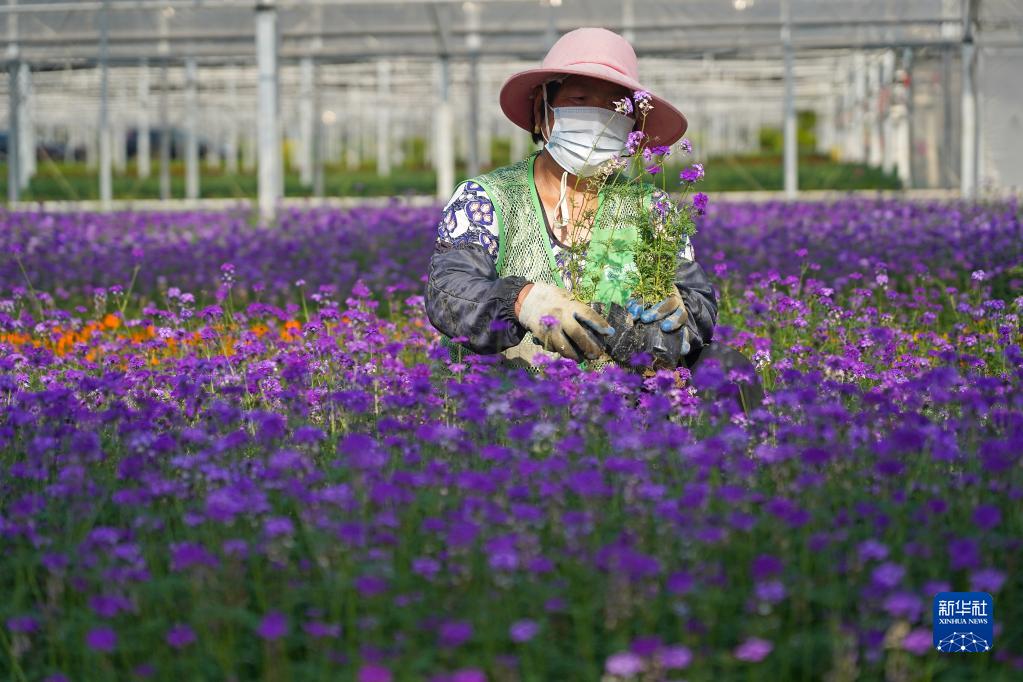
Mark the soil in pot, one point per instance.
(633, 337)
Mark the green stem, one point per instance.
(127, 294)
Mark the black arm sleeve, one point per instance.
(700, 301)
(464, 297)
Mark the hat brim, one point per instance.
(664, 124)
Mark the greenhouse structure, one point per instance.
(925, 89)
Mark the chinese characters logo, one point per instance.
(963, 622)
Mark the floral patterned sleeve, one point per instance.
(469, 219)
(465, 295)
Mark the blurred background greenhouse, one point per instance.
(115, 102)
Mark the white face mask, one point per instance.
(584, 138)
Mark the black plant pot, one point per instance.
(633, 337)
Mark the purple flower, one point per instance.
(277, 526)
(144, 670)
(987, 580)
(187, 554)
(918, 641)
(963, 553)
(686, 146)
(753, 650)
(887, 575)
(765, 566)
(679, 583)
(641, 96)
(634, 140)
(426, 567)
(102, 639)
(646, 646)
(455, 633)
(549, 321)
(371, 672)
(872, 550)
(317, 629)
(107, 605)
(624, 664)
(180, 636)
(771, 591)
(469, 675)
(273, 626)
(24, 624)
(903, 605)
(987, 516)
(624, 106)
(700, 202)
(370, 585)
(692, 174)
(523, 630)
(653, 169)
(674, 657)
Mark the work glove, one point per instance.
(666, 335)
(671, 312)
(578, 332)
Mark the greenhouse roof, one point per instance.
(58, 32)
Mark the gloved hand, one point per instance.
(578, 332)
(668, 341)
(671, 312)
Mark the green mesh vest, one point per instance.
(525, 247)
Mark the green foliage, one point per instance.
(76, 182)
(500, 152)
(772, 139)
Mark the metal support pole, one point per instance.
(551, 36)
(945, 149)
(969, 133)
(473, 43)
(191, 129)
(13, 133)
(859, 106)
(383, 116)
(629, 20)
(888, 113)
(13, 136)
(316, 153)
(306, 114)
(874, 99)
(231, 141)
(351, 119)
(267, 124)
(791, 167)
(444, 148)
(485, 128)
(165, 139)
(26, 129)
(904, 137)
(105, 171)
(142, 152)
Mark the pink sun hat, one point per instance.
(598, 53)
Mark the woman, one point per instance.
(499, 276)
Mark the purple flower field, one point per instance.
(235, 452)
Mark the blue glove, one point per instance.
(671, 312)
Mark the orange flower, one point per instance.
(111, 321)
